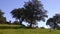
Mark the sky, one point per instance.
(52, 7)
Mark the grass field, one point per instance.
(26, 31)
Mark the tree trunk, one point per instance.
(30, 25)
(20, 21)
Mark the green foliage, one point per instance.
(2, 18)
(31, 12)
(54, 21)
(34, 11)
(18, 14)
(1, 13)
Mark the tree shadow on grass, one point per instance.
(10, 27)
(15, 27)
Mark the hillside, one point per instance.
(14, 29)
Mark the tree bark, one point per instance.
(30, 25)
(20, 21)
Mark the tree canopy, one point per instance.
(2, 18)
(34, 11)
(31, 12)
(18, 14)
(54, 21)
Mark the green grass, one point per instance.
(27, 31)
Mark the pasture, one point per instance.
(15, 29)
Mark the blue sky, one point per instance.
(52, 6)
